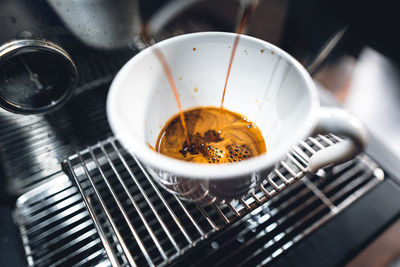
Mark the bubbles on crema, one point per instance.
(216, 136)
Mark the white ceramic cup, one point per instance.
(266, 85)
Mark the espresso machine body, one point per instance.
(50, 211)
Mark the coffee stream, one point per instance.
(171, 81)
(243, 22)
(208, 134)
(146, 38)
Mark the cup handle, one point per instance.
(341, 122)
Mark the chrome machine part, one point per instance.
(326, 50)
(36, 76)
(111, 25)
(129, 220)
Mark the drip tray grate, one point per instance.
(142, 224)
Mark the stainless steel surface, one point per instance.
(32, 147)
(106, 25)
(55, 226)
(142, 224)
(100, 24)
(44, 80)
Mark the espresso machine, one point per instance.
(70, 195)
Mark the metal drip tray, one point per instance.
(55, 226)
(124, 219)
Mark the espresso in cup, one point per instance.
(216, 135)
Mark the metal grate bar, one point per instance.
(51, 220)
(265, 191)
(327, 140)
(82, 226)
(154, 238)
(196, 225)
(124, 214)
(110, 219)
(316, 142)
(244, 203)
(44, 233)
(175, 218)
(319, 194)
(233, 209)
(146, 197)
(291, 171)
(222, 214)
(34, 202)
(209, 220)
(297, 150)
(297, 163)
(307, 147)
(256, 199)
(83, 262)
(112, 257)
(61, 248)
(75, 253)
(67, 205)
(276, 187)
(37, 205)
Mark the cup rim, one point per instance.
(204, 171)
